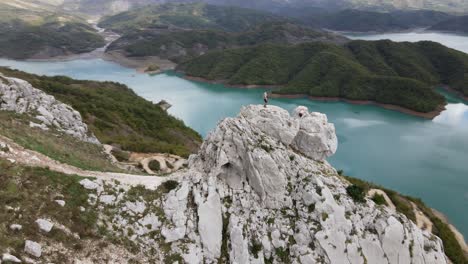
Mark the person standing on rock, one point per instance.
(265, 99)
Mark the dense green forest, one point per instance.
(188, 16)
(183, 44)
(402, 74)
(116, 115)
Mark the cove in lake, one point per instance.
(418, 157)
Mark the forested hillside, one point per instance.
(188, 16)
(184, 44)
(402, 74)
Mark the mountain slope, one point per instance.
(456, 25)
(38, 30)
(116, 115)
(363, 21)
(187, 16)
(281, 202)
(184, 44)
(401, 74)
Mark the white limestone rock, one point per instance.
(210, 226)
(107, 199)
(10, 258)
(89, 185)
(19, 96)
(264, 172)
(60, 202)
(44, 225)
(16, 227)
(33, 248)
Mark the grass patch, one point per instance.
(33, 190)
(357, 193)
(54, 144)
(154, 165)
(379, 199)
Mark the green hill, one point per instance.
(183, 44)
(116, 115)
(39, 30)
(187, 16)
(402, 74)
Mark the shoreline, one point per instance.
(456, 92)
(428, 115)
(223, 82)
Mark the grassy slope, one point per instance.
(26, 32)
(33, 191)
(54, 144)
(116, 115)
(401, 74)
(188, 16)
(147, 43)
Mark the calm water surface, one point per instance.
(422, 158)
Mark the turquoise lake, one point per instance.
(418, 157)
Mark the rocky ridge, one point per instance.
(21, 97)
(260, 191)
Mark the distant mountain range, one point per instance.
(455, 24)
(100, 7)
(373, 21)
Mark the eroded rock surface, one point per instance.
(19, 96)
(263, 191)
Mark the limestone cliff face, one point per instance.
(19, 96)
(260, 191)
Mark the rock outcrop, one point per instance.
(21, 97)
(262, 190)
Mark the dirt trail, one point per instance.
(18, 154)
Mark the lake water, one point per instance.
(418, 157)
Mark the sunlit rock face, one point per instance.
(259, 189)
(21, 97)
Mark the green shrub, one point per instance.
(357, 193)
(120, 155)
(154, 165)
(170, 185)
(379, 199)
